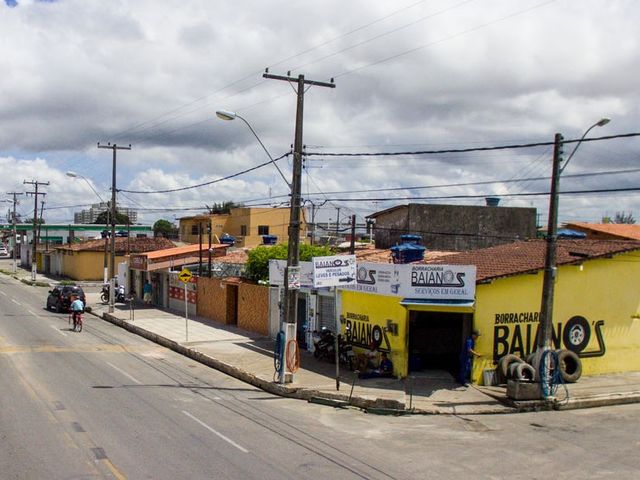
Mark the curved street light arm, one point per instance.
(74, 174)
(599, 123)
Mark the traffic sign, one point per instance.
(334, 270)
(185, 275)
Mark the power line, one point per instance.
(467, 150)
(212, 181)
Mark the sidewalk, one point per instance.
(249, 357)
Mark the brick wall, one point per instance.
(212, 299)
(253, 308)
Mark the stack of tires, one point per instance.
(512, 367)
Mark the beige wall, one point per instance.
(85, 265)
(276, 219)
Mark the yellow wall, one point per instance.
(364, 312)
(85, 265)
(603, 290)
(277, 219)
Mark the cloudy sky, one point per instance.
(410, 76)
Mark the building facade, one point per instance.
(91, 215)
(248, 225)
(454, 227)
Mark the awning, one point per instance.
(422, 305)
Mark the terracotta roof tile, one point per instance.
(622, 230)
(529, 256)
(123, 245)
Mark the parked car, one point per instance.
(3, 251)
(59, 298)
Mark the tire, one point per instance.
(57, 308)
(524, 372)
(79, 326)
(576, 334)
(570, 366)
(503, 364)
(104, 298)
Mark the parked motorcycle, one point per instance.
(104, 294)
(324, 344)
(345, 352)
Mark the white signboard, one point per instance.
(420, 281)
(294, 277)
(277, 268)
(333, 271)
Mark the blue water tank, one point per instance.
(407, 253)
(227, 239)
(410, 239)
(269, 239)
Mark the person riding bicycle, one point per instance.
(77, 308)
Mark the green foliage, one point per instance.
(622, 217)
(163, 228)
(224, 207)
(104, 218)
(257, 267)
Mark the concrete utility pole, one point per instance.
(34, 264)
(112, 262)
(15, 233)
(293, 253)
(352, 245)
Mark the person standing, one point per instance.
(466, 357)
(146, 292)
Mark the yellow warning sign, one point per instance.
(185, 275)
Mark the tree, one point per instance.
(257, 267)
(104, 218)
(164, 228)
(224, 207)
(622, 217)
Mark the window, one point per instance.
(243, 230)
(194, 229)
(263, 229)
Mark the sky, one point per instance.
(410, 76)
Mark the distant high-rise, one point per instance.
(90, 215)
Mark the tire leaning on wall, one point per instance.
(570, 365)
(504, 362)
(523, 372)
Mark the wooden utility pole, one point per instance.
(293, 253)
(112, 262)
(35, 194)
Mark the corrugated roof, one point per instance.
(529, 256)
(622, 230)
(123, 245)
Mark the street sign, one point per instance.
(185, 275)
(293, 277)
(334, 270)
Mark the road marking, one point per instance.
(124, 373)
(58, 330)
(34, 314)
(212, 430)
(16, 302)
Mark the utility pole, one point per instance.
(15, 233)
(337, 223)
(112, 262)
(40, 222)
(546, 308)
(352, 246)
(34, 264)
(293, 253)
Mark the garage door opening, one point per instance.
(435, 340)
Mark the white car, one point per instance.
(3, 251)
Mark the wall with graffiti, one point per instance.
(366, 317)
(596, 314)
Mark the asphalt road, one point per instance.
(107, 404)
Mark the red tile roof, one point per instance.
(622, 230)
(529, 256)
(123, 245)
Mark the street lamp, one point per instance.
(228, 116)
(546, 308)
(105, 275)
(77, 175)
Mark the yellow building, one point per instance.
(596, 309)
(247, 224)
(86, 260)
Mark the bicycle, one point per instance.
(77, 321)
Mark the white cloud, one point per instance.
(457, 74)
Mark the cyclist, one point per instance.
(77, 308)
